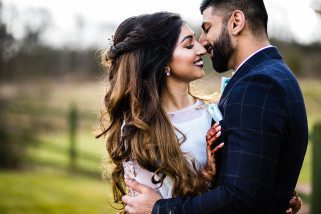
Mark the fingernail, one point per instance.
(218, 134)
(218, 128)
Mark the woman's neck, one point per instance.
(175, 96)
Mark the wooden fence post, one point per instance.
(73, 120)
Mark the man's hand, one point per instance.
(143, 203)
(295, 204)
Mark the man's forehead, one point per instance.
(211, 13)
(207, 12)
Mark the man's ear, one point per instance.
(237, 22)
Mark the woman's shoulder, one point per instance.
(210, 98)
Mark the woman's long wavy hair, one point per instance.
(138, 126)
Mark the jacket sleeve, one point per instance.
(254, 117)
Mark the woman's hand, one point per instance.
(211, 137)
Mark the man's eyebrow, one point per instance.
(187, 37)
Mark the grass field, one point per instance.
(47, 185)
(52, 191)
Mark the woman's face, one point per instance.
(187, 64)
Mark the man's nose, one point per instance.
(202, 39)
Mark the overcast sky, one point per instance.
(286, 17)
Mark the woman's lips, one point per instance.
(199, 63)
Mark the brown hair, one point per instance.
(138, 126)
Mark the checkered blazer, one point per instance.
(265, 132)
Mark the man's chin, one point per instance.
(220, 64)
(220, 69)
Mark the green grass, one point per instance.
(52, 191)
(48, 185)
(305, 174)
(54, 149)
(311, 89)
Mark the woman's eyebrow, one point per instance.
(187, 37)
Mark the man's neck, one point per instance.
(245, 50)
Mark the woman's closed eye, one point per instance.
(190, 46)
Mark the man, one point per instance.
(265, 125)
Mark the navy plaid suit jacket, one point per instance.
(265, 132)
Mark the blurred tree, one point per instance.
(317, 6)
(83, 61)
(6, 43)
(35, 24)
(30, 54)
(15, 138)
(304, 60)
(294, 61)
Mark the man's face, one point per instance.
(216, 40)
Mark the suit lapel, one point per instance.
(256, 59)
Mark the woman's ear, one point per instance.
(237, 22)
(167, 70)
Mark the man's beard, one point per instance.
(222, 50)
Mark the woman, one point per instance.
(156, 132)
(151, 63)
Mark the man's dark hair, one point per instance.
(254, 11)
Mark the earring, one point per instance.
(167, 71)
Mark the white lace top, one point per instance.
(194, 122)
